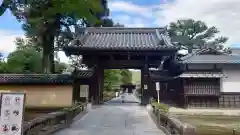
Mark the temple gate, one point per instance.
(124, 48)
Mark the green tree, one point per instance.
(116, 77)
(194, 35)
(45, 19)
(27, 59)
(111, 77)
(126, 76)
(60, 67)
(13, 5)
(24, 61)
(2, 64)
(107, 22)
(118, 25)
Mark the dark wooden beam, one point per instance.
(126, 64)
(79, 51)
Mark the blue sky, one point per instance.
(9, 22)
(151, 13)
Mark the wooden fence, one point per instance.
(229, 100)
(224, 100)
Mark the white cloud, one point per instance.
(128, 21)
(7, 44)
(128, 7)
(224, 14)
(7, 39)
(131, 15)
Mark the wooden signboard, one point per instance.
(84, 90)
(157, 86)
(158, 89)
(12, 113)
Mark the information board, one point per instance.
(12, 109)
(84, 90)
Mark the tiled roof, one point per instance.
(222, 59)
(202, 75)
(40, 78)
(115, 38)
(205, 56)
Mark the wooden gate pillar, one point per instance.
(100, 78)
(93, 87)
(96, 87)
(145, 98)
(91, 90)
(75, 91)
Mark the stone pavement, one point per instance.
(114, 118)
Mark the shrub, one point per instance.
(73, 107)
(161, 106)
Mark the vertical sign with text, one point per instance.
(12, 109)
(158, 89)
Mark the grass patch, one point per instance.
(37, 112)
(161, 106)
(213, 125)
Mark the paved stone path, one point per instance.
(114, 118)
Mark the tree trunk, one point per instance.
(48, 56)
(190, 48)
(54, 32)
(52, 63)
(45, 60)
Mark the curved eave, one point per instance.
(76, 50)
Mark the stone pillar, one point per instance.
(145, 85)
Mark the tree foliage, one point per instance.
(126, 76)
(26, 59)
(48, 22)
(111, 78)
(116, 77)
(44, 20)
(194, 35)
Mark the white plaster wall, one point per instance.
(231, 83)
